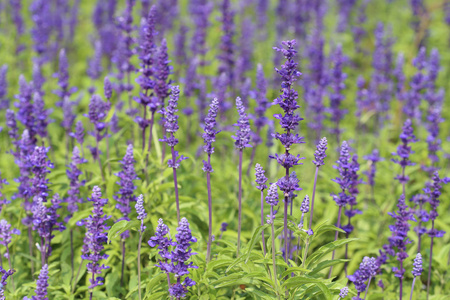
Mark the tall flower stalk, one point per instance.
(344, 181)
(145, 79)
(171, 125)
(98, 110)
(242, 140)
(434, 191)
(404, 151)
(95, 238)
(141, 216)
(126, 195)
(272, 200)
(73, 173)
(5, 239)
(416, 271)
(175, 261)
(319, 160)
(209, 136)
(261, 180)
(289, 121)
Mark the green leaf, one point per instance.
(327, 263)
(294, 269)
(255, 237)
(122, 226)
(294, 282)
(322, 251)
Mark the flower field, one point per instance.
(226, 149)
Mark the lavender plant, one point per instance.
(94, 240)
(141, 216)
(288, 122)
(209, 136)
(242, 140)
(261, 180)
(171, 125)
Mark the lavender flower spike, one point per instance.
(416, 271)
(434, 192)
(141, 216)
(141, 211)
(289, 121)
(209, 136)
(95, 238)
(261, 180)
(404, 151)
(319, 160)
(5, 274)
(171, 126)
(42, 284)
(343, 293)
(126, 195)
(242, 140)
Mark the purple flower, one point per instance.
(95, 64)
(73, 173)
(417, 266)
(261, 179)
(12, 125)
(6, 233)
(400, 75)
(404, 150)
(242, 137)
(41, 116)
(262, 104)
(163, 70)
(163, 243)
(146, 55)
(4, 101)
(319, 154)
(45, 220)
(3, 199)
(399, 231)
(336, 97)
(366, 270)
(224, 226)
(417, 84)
(98, 110)
(40, 167)
(434, 192)
(227, 48)
(5, 274)
(343, 292)
(344, 181)
(180, 45)
(25, 114)
(304, 208)
(180, 255)
(170, 117)
(40, 33)
(126, 193)
(41, 284)
(95, 238)
(65, 90)
(141, 211)
(78, 134)
(272, 195)
(209, 135)
(374, 158)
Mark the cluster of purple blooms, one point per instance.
(175, 261)
(95, 238)
(125, 196)
(367, 270)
